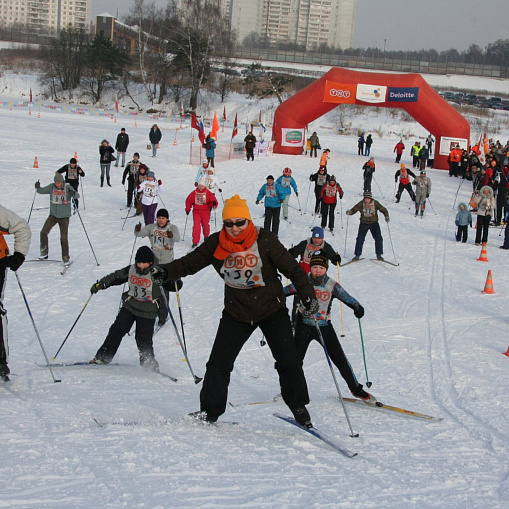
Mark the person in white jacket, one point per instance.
(10, 224)
(150, 190)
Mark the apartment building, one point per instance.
(45, 15)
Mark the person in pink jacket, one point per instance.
(202, 201)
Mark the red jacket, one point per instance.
(329, 193)
(399, 148)
(201, 200)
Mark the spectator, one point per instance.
(121, 146)
(155, 136)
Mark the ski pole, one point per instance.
(392, 245)
(379, 188)
(32, 207)
(180, 315)
(320, 337)
(185, 226)
(35, 328)
(346, 233)
(85, 230)
(298, 201)
(341, 209)
(395, 184)
(121, 302)
(73, 325)
(127, 215)
(83, 194)
(307, 198)
(341, 306)
(197, 379)
(368, 383)
(431, 205)
(456, 195)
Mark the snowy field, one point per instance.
(433, 342)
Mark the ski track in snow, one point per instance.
(432, 341)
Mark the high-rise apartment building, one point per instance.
(45, 15)
(309, 23)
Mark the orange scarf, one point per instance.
(228, 244)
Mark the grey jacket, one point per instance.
(60, 202)
(11, 223)
(161, 244)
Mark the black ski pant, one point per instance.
(318, 198)
(364, 228)
(313, 149)
(328, 209)
(304, 334)
(120, 327)
(367, 182)
(250, 154)
(271, 222)
(75, 183)
(130, 191)
(401, 188)
(4, 345)
(483, 227)
(462, 234)
(230, 338)
(398, 158)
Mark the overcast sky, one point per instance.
(404, 24)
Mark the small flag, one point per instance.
(181, 109)
(215, 126)
(116, 105)
(224, 113)
(198, 127)
(31, 97)
(235, 130)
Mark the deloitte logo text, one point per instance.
(339, 93)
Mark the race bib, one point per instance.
(243, 270)
(140, 286)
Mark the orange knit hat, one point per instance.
(236, 207)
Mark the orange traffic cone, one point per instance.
(484, 254)
(29, 112)
(36, 164)
(39, 115)
(76, 156)
(192, 141)
(135, 124)
(175, 142)
(488, 287)
(115, 119)
(507, 353)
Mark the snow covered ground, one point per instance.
(433, 342)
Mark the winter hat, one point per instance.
(423, 172)
(403, 167)
(319, 259)
(163, 213)
(205, 161)
(270, 177)
(371, 158)
(317, 233)
(144, 255)
(332, 178)
(151, 174)
(58, 178)
(143, 167)
(287, 171)
(322, 167)
(201, 182)
(136, 154)
(236, 207)
(104, 141)
(368, 194)
(73, 160)
(123, 129)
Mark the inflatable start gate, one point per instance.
(341, 86)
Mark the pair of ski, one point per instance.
(62, 272)
(89, 363)
(372, 259)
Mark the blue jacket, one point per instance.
(210, 152)
(273, 196)
(285, 183)
(463, 217)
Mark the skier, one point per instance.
(162, 236)
(368, 208)
(105, 158)
(324, 158)
(404, 182)
(121, 146)
(248, 259)
(202, 171)
(369, 169)
(274, 196)
(422, 191)
(141, 303)
(463, 220)
(250, 141)
(10, 224)
(400, 146)
(326, 289)
(211, 182)
(150, 190)
(131, 174)
(202, 201)
(485, 205)
(141, 177)
(286, 181)
(59, 213)
(360, 145)
(73, 172)
(154, 136)
(320, 178)
(329, 200)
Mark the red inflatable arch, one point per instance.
(339, 86)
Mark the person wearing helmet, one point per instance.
(286, 181)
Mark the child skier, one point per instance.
(326, 289)
(202, 201)
(320, 178)
(73, 172)
(286, 181)
(369, 169)
(149, 191)
(463, 219)
(329, 200)
(141, 303)
(324, 158)
(273, 195)
(131, 174)
(404, 175)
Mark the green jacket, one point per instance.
(60, 201)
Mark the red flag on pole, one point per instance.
(116, 105)
(235, 130)
(195, 125)
(31, 98)
(215, 126)
(224, 113)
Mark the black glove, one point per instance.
(158, 275)
(220, 190)
(358, 311)
(99, 285)
(427, 196)
(37, 185)
(170, 285)
(337, 259)
(137, 228)
(311, 307)
(281, 201)
(187, 212)
(257, 202)
(15, 261)
(123, 182)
